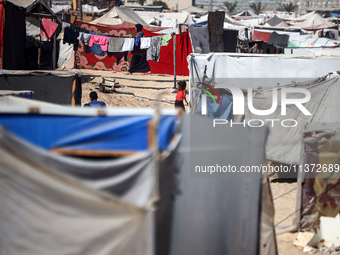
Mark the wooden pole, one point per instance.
(80, 10)
(54, 53)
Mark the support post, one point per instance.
(174, 36)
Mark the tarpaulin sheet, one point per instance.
(165, 65)
(284, 143)
(279, 39)
(217, 111)
(218, 215)
(44, 211)
(261, 36)
(104, 133)
(255, 70)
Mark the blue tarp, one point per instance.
(218, 111)
(105, 133)
(335, 15)
(199, 24)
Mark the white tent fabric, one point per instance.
(313, 21)
(284, 144)
(180, 18)
(194, 9)
(118, 15)
(18, 101)
(65, 53)
(249, 70)
(301, 18)
(51, 213)
(92, 8)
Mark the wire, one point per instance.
(285, 193)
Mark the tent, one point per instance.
(193, 9)
(251, 70)
(275, 20)
(159, 17)
(315, 22)
(58, 87)
(20, 51)
(284, 144)
(118, 15)
(319, 191)
(115, 198)
(164, 66)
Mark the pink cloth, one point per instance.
(101, 40)
(48, 28)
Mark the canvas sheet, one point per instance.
(247, 70)
(320, 191)
(284, 144)
(209, 211)
(49, 212)
(199, 39)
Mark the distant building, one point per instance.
(174, 5)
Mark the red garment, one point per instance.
(261, 36)
(48, 28)
(181, 94)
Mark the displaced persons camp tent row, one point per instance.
(115, 197)
(121, 62)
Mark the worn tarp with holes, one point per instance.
(71, 129)
(58, 87)
(44, 210)
(285, 143)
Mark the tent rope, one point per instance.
(285, 193)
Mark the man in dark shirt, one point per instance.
(94, 102)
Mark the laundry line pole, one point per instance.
(174, 36)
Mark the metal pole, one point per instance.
(39, 50)
(174, 36)
(54, 53)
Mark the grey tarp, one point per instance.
(43, 211)
(221, 214)
(284, 144)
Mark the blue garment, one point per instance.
(97, 50)
(97, 104)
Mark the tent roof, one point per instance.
(130, 26)
(193, 9)
(118, 15)
(314, 22)
(29, 5)
(301, 18)
(246, 13)
(275, 20)
(182, 18)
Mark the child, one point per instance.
(181, 93)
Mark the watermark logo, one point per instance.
(208, 92)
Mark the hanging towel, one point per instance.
(145, 42)
(153, 52)
(48, 28)
(166, 39)
(101, 40)
(115, 44)
(128, 44)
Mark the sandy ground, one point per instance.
(157, 90)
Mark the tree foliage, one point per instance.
(257, 7)
(230, 6)
(160, 3)
(287, 7)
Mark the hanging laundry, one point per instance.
(145, 42)
(166, 39)
(101, 40)
(71, 36)
(115, 44)
(128, 44)
(48, 28)
(118, 55)
(200, 39)
(84, 38)
(154, 51)
(97, 50)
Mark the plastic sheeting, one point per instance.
(220, 215)
(254, 70)
(43, 211)
(57, 130)
(284, 143)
